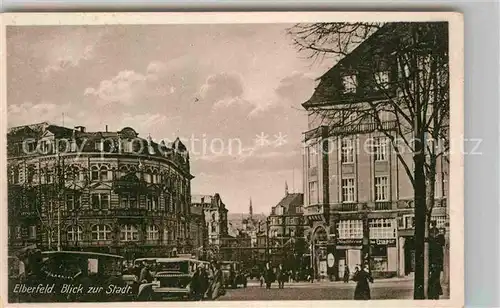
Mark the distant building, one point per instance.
(199, 231)
(286, 224)
(215, 213)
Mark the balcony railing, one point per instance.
(383, 206)
(313, 209)
(347, 207)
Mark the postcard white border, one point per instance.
(456, 198)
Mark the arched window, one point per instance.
(148, 175)
(94, 173)
(153, 233)
(103, 173)
(129, 233)
(123, 171)
(75, 233)
(101, 232)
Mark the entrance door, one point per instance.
(409, 255)
(353, 258)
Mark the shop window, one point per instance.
(350, 229)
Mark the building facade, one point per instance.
(105, 191)
(286, 230)
(215, 213)
(358, 194)
(199, 232)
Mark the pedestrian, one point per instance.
(261, 278)
(196, 285)
(434, 288)
(268, 276)
(362, 278)
(347, 274)
(145, 275)
(204, 281)
(280, 276)
(218, 282)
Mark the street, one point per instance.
(382, 289)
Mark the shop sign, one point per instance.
(382, 242)
(349, 241)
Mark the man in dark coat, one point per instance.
(268, 276)
(362, 278)
(347, 274)
(145, 275)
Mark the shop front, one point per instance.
(348, 254)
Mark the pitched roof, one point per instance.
(291, 201)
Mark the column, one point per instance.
(401, 267)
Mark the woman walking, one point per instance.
(362, 278)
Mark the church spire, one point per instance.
(286, 188)
(250, 208)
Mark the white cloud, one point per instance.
(69, 49)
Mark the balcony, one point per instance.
(313, 210)
(383, 205)
(345, 207)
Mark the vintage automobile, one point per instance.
(233, 274)
(67, 276)
(173, 277)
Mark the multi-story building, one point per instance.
(199, 231)
(215, 213)
(355, 197)
(103, 191)
(286, 225)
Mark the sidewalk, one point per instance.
(328, 282)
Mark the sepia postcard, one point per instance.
(271, 159)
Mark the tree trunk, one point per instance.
(420, 225)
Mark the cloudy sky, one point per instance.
(232, 92)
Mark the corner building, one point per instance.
(105, 191)
(357, 193)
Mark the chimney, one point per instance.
(106, 128)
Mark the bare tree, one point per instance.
(402, 93)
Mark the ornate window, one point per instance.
(129, 233)
(101, 233)
(75, 233)
(100, 201)
(153, 233)
(94, 173)
(152, 202)
(103, 173)
(128, 200)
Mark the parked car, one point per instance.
(76, 276)
(173, 277)
(233, 274)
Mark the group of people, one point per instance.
(207, 283)
(271, 275)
